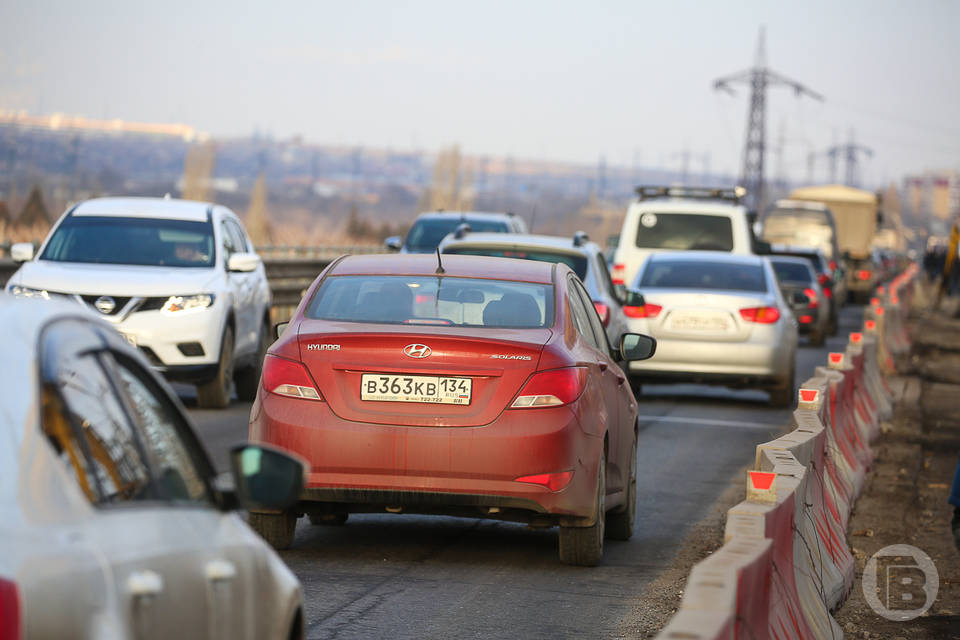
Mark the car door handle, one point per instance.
(144, 584)
(220, 571)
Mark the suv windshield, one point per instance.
(792, 272)
(428, 300)
(675, 274)
(426, 233)
(134, 241)
(684, 232)
(577, 262)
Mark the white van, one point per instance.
(679, 219)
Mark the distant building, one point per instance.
(933, 197)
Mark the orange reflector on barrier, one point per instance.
(871, 325)
(761, 487)
(809, 395)
(856, 338)
(836, 360)
(881, 290)
(878, 311)
(874, 302)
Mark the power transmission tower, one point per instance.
(759, 77)
(849, 152)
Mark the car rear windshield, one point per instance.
(577, 262)
(426, 234)
(442, 301)
(676, 274)
(134, 241)
(816, 260)
(792, 271)
(684, 231)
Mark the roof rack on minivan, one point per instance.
(733, 194)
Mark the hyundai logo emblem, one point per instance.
(417, 350)
(105, 305)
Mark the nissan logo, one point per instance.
(105, 304)
(417, 350)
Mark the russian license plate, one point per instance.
(379, 387)
(698, 323)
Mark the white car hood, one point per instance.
(115, 279)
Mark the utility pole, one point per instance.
(759, 77)
(849, 152)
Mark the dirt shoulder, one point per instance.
(905, 497)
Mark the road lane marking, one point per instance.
(716, 423)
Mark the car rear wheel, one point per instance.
(583, 546)
(781, 397)
(215, 394)
(276, 528)
(248, 378)
(620, 523)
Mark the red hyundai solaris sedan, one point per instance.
(479, 387)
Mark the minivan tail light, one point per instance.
(603, 311)
(288, 378)
(760, 315)
(619, 274)
(10, 621)
(552, 388)
(643, 311)
(812, 296)
(864, 274)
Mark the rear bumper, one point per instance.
(356, 467)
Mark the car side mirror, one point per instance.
(266, 478)
(21, 252)
(243, 262)
(394, 243)
(633, 298)
(278, 329)
(637, 346)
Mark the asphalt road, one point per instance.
(405, 576)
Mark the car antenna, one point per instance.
(440, 270)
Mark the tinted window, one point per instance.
(99, 428)
(239, 238)
(814, 258)
(596, 327)
(684, 232)
(427, 233)
(177, 471)
(580, 320)
(576, 262)
(433, 301)
(137, 241)
(228, 239)
(677, 274)
(792, 272)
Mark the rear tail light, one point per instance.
(833, 265)
(288, 378)
(812, 296)
(864, 274)
(603, 311)
(619, 274)
(760, 315)
(552, 481)
(823, 278)
(645, 311)
(552, 388)
(805, 319)
(10, 623)
(827, 292)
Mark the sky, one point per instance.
(628, 81)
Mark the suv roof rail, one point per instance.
(580, 238)
(732, 194)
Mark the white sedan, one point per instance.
(718, 319)
(111, 524)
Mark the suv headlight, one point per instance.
(27, 292)
(186, 304)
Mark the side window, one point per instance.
(593, 317)
(178, 473)
(605, 276)
(229, 242)
(580, 319)
(87, 426)
(239, 237)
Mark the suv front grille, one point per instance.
(119, 302)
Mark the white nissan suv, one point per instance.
(179, 279)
